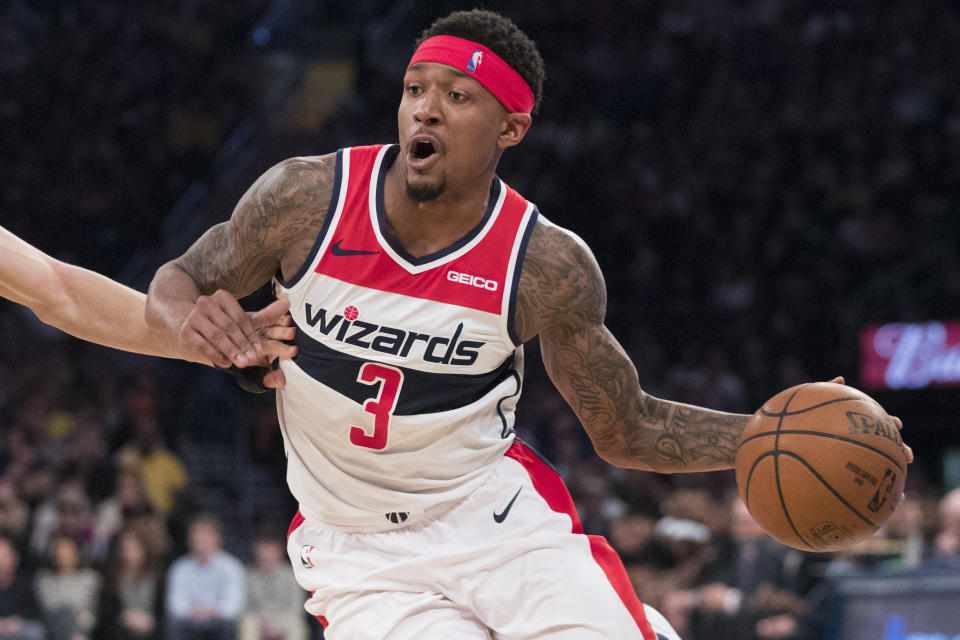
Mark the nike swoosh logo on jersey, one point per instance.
(500, 517)
(338, 251)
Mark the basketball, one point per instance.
(820, 466)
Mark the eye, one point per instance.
(414, 89)
(456, 96)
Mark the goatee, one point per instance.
(425, 192)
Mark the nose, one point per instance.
(428, 109)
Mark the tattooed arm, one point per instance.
(272, 229)
(562, 297)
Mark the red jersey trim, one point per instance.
(472, 273)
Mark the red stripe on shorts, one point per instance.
(549, 485)
(296, 522)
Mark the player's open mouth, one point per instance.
(423, 152)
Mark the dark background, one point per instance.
(758, 180)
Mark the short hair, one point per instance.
(500, 35)
(207, 520)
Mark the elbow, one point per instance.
(642, 460)
(616, 460)
(618, 457)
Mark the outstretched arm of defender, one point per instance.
(93, 307)
(193, 298)
(562, 297)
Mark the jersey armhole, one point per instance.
(516, 267)
(337, 197)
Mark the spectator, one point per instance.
(205, 588)
(948, 537)
(68, 514)
(14, 513)
(128, 502)
(758, 593)
(274, 608)
(68, 593)
(164, 476)
(131, 597)
(19, 611)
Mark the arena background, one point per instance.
(759, 180)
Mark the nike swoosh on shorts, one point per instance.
(500, 517)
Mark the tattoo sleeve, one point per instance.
(562, 297)
(272, 227)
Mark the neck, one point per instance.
(427, 227)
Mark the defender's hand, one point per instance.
(218, 328)
(274, 325)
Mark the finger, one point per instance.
(909, 453)
(214, 328)
(196, 342)
(277, 332)
(232, 321)
(270, 314)
(273, 349)
(275, 380)
(897, 422)
(241, 330)
(838, 380)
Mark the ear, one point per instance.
(513, 129)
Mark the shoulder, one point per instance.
(299, 179)
(286, 201)
(560, 282)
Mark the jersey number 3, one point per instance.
(381, 407)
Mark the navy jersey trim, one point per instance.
(388, 159)
(328, 219)
(507, 430)
(538, 454)
(518, 267)
(422, 392)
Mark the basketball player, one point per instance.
(415, 275)
(93, 307)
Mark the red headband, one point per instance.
(483, 65)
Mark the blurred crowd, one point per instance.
(109, 109)
(758, 180)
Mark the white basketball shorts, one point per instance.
(509, 562)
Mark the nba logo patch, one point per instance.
(305, 560)
(475, 61)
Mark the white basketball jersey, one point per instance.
(402, 395)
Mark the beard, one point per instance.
(425, 192)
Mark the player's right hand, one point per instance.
(275, 327)
(218, 328)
